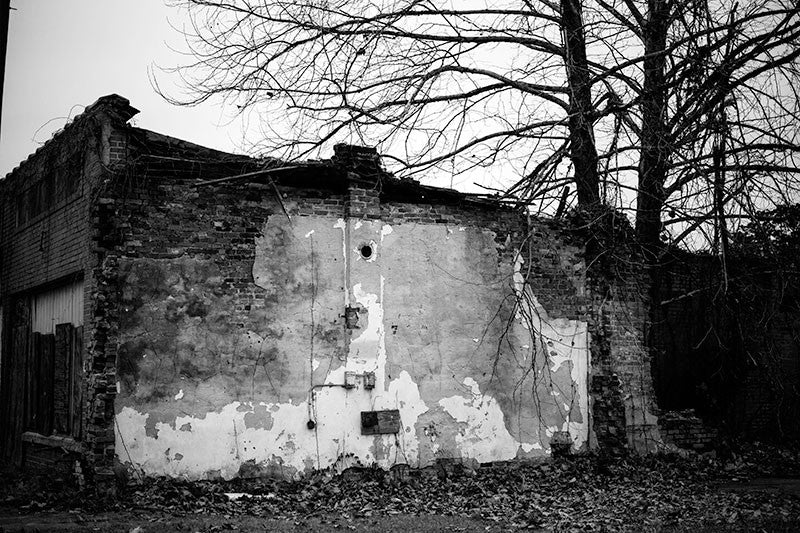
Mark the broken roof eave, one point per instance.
(117, 108)
(159, 145)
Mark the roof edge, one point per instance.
(117, 107)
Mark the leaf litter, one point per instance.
(671, 492)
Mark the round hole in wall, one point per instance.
(366, 251)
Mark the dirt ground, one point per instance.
(161, 522)
(155, 522)
(757, 489)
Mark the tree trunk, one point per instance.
(654, 137)
(581, 134)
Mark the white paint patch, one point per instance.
(369, 346)
(385, 230)
(562, 341)
(342, 225)
(367, 352)
(403, 394)
(179, 395)
(485, 437)
(220, 442)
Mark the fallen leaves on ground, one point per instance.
(586, 493)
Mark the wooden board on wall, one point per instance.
(17, 375)
(62, 361)
(5, 382)
(46, 352)
(76, 383)
(31, 384)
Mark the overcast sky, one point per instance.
(64, 54)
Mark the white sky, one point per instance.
(64, 54)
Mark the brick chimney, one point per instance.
(362, 160)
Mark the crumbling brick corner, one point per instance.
(621, 386)
(100, 379)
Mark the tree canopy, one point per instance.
(682, 112)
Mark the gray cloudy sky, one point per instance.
(64, 54)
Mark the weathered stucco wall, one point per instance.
(235, 363)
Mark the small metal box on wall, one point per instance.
(380, 422)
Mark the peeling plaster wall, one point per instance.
(219, 376)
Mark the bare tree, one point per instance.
(462, 87)
(718, 114)
(686, 110)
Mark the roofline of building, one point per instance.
(347, 159)
(117, 107)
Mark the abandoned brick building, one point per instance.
(168, 309)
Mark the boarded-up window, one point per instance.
(62, 305)
(54, 366)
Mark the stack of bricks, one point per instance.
(743, 376)
(630, 361)
(50, 244)
(687, 431)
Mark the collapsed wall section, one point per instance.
(624, 403)
(725, 347)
